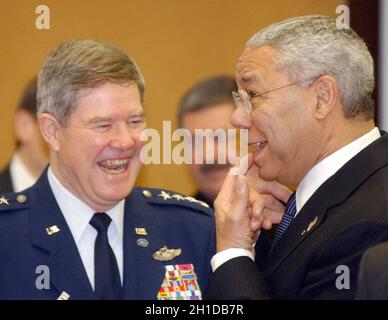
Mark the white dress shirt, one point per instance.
(20, 176)
(317, 175)
(78, 215)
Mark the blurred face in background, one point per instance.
(31, 146)
(209, 177)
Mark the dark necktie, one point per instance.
(288, 216)
(107, 283)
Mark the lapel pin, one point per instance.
(51, 230)
(64, 296)
(141, 242)
(4, 200)
(310, 226)
(141, 231)
(165, 254)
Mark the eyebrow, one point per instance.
(253, 80)
(96, 120)
(248, 79)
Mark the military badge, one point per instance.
(51, 230)
(64, 296)
(4, 200)
(141, 242)
(141, 231)
(165, 195)
(165, 254)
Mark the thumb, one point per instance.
(240, 198)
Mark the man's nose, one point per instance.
(123, 138)
(240, 118)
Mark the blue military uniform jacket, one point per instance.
(34, 239)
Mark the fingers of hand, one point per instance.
(255, 236)
(243, 165)
(270, 202)
(240, 198)
(274, 216)
(274, 188)
(227, 189)
(256, 203)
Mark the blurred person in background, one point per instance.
(31, 154)
(208, 105)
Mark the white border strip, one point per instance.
(383, 61)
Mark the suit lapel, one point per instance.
(143, 275)
(67, 272)
(330, 194)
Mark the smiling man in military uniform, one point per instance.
(83, 231)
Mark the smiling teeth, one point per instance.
(114, 166)
(115, 162)
(252, 147)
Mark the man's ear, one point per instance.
(50, 129)
(24, 125)
(326, 88)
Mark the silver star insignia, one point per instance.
(191, 199)
(164, 195)
(4, 200)
(178, 197)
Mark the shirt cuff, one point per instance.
(228, 254)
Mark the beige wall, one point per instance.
(175, 42)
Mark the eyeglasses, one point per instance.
(241, 97)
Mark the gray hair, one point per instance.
(207, 93)
(77, 64)
(311, 46)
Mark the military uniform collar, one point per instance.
(77, 214)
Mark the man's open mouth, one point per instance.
(257, 146)
(114, 166)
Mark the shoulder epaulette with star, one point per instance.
(13, 201)
(172, 198)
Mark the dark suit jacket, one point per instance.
(373, 276)
(351, 215)
(5, 181)
(25, 244)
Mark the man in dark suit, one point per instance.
(208, 105)
(83, 231)
(373, 275)
(305, 99)
(31, 156)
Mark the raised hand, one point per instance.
(245, 205)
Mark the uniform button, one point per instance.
(21, 198)
(147, 194)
